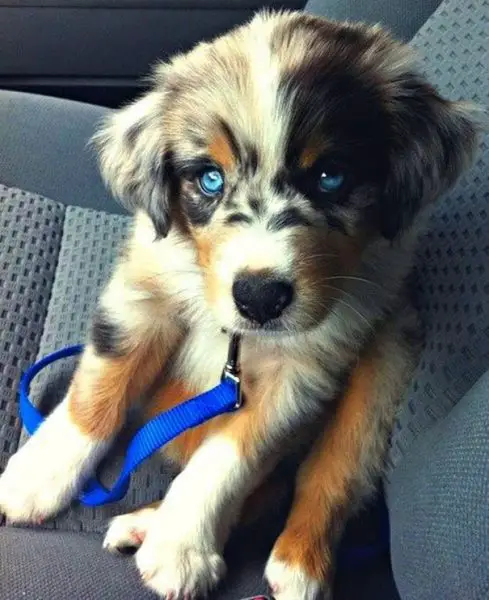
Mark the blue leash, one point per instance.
(225, 397)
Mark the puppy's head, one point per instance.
(281, 150)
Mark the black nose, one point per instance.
(260, 297)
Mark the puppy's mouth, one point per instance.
(276, 327)
(287, 325)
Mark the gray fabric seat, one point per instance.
(55, 259)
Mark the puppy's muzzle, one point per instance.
(262, 297)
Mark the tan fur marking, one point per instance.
(103, 388)
(208, 244)
(311, 153)
(182, 448)
(249, 426)
(334, 255)
(221, 151)
(246, 426)
(203, 243)
(324, 480)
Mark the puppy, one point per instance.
(275, 174)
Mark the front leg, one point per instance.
(181, 555)
(124, 353)
(340, 471)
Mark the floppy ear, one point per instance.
(432, 141)
(134, 160)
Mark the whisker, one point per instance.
(354, 278)
(312, 257)
(352, 308)
(342, 292)
(357, 312)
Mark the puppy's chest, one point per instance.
(200, 360)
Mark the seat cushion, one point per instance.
(402, 17)
(30, 238)
(452, 268)
(36, 565)
(45, 148)
(438, 473)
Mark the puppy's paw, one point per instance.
(178, 570)
(32, 490)
(289, 582)
(45, 474)
(128, 531)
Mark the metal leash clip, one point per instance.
(231, 370)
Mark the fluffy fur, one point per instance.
(272, 105)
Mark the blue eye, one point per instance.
(330, 183)
(211, 182)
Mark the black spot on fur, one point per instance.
(159, 198)
(238, 218)
(333, 101)
(132, 133)
(338, 105)
(191, 167)
(280, 182)
(105, 335)
(398, 135)
(232, 205)
(231, 138)
(256, 206)
(229, 199)
(432, 142)
(340, 110)
(251, 160)
(198, 141)
(291, 217)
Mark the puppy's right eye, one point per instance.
(211, 182)
(330, 182)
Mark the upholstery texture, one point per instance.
(30, 234)
(438, 479)
(439, 509)
(42, 565)
(76, 567)
(452, 267)
(403, 18)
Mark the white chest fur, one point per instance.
(201, 358)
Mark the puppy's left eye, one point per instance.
(211, 182)
(330, 182)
